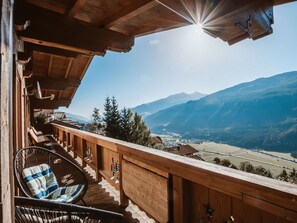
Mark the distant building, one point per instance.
(185, 150)
(60, 118)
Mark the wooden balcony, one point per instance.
(172, 188)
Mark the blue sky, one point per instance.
(186, 60)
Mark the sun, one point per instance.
(197, 28)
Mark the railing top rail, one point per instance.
(234, 182)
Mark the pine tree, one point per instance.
(126, 124)
(112, 118)
(96, 121)
(115, 119)
(107, 116)
(140, 133)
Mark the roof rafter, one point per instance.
(51, 50)
(89, 40)
(48, 104)
(50, 83)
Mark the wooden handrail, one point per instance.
(269, 195)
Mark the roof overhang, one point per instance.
(62, 36)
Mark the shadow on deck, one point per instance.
(102, 195)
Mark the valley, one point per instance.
(275, 162)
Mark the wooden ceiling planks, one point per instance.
(59, 67)
(73, 9)
(79, 67)
(58, 75)
(128, 12)
(95, 11)
(186, 9)
(63, 35)
(150, 21)
(41, 63)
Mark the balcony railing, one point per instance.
(173, 188)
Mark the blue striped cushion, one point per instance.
(66, 194)
(40, 180)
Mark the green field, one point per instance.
(274, 161)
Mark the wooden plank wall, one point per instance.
(166, 194)
(147, 189)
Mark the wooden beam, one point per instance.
(54, 30)
(50, 65)
(60, 95)
(181, 197)
(131, 10)
(68, 67)
(55, 83)
(124, 200)
(6, 111)
(51, 50)
(78, 4)
(51, 5)
(48, 104)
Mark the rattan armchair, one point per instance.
(66, 172)
(28, 210)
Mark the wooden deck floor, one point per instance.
(103, 195)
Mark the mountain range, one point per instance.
(149, 108)
(258, 114)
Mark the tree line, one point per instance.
(120, 124)
(260, 170)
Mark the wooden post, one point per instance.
(6, 64)
(74, 146)
(98, 162)
(67, 141)
(124, 200)
(180, 199)
(84, 149)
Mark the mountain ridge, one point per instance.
(149, 108)
(77, 118)
(248, 114)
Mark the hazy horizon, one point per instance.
(186, 60)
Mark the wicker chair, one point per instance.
(66, 172)
(28, 210)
